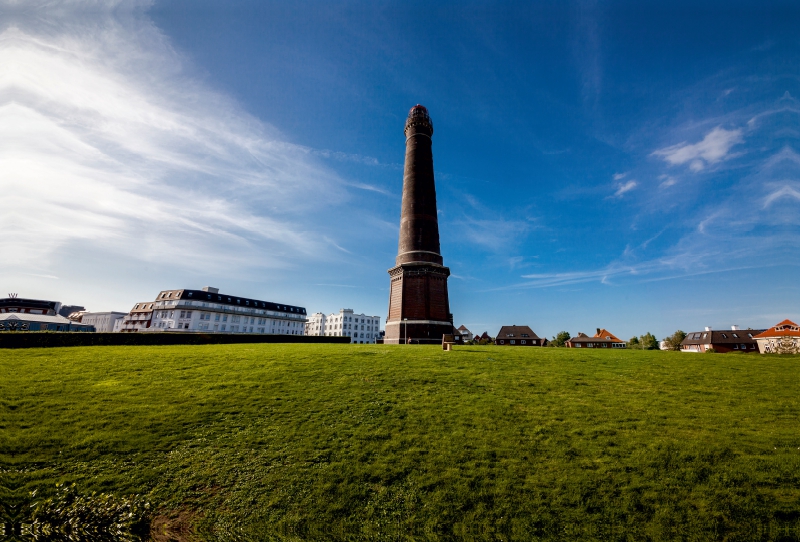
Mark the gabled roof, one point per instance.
(725, 336)
(787, 328)
(584, 338)
(516, 332)
(463, 328)
(486, 336)
(605, 334)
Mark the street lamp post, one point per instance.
(405, 330)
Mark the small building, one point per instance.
(11, 321)
(517, 336)
(485, 337)
(783, 338)
(733, 340)
(466, 334)
(104, 322)
(601, 339)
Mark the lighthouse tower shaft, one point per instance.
(419, 307)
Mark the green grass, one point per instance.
(479, 442)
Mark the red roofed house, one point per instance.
(784, 338)
(602, 339)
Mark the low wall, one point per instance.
(49, 340)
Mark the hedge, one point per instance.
(46, 339)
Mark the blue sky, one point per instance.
(626, 165)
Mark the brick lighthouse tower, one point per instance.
(419, 307)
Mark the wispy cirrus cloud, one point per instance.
(110, 142)
(714, 147)
(623, 188)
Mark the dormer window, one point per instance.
(724, 336)
(735, 335)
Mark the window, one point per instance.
(724, 336)
(523, 341)
(736, 347)
(744, 347)
(524, 335)
(735, 335)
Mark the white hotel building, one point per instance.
(361, 329)
(208, 311)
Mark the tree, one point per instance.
(560, 340)
(674, 341)
(633, 342)
(648, 341)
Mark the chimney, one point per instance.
(210, 290)
(598, 331)
(708, 328)
(734, 328)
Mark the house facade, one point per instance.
(11, 321)
(517, 336)
(104, 322)
(361, 328)
(783, 338)
(138, 319)
(466, 334)
(208, 311)
(601, 339)
(733, 340)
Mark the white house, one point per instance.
(104, 322)
(362, 329)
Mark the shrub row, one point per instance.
(57, 339)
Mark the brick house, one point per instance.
(733, 340)
(602, 339)
(783, 338)
(517, 336)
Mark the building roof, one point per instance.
(584, 338)
(516, 332)
(146, 306)
(225, 299)
(787, 328)
(604, 333)
(463, 328)
(36, 304)
(42, 318)
(726, 336)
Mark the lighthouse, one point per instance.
(419, 306)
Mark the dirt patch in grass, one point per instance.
(177, 526)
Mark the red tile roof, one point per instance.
(604, 333)
(784, 329)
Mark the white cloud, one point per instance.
(787, 192)
(619, 176)
(714, 147)
(666, 181)
(106, 139)
(626, 187)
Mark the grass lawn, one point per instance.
(360, 441)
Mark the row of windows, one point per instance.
(696, 336)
